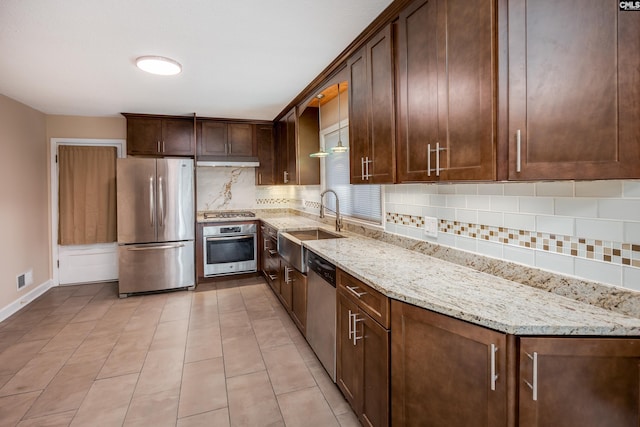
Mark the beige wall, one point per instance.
(23, 186)
(86, 127)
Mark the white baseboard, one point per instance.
(25, 299)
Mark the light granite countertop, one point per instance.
(458, 291)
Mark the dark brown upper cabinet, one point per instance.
(266, 172)
(573, 90)
(295, 141)
(160, 135)
(446, 108)
(372, 111)
(217, 138)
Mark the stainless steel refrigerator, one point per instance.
(155, 224)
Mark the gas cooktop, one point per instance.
(229, 214)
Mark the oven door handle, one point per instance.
(235, 237)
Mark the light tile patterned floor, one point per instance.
(225, 355)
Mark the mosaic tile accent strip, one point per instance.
(620, 253)
(272, 201)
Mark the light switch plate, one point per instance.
(431, 226)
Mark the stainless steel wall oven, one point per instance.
(229, 249)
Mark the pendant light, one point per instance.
(320, 153)
(339, 148)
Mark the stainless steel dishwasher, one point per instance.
(321, 310)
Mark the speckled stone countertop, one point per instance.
(460, 292)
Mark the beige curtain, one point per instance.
(87, 195)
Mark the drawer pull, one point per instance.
(534, 386)
(272, 252)
(356, 293)
(273, 276)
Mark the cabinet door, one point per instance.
(374, 340)
(291, 175)
(579, 382)
(144, 136)
(178, 137)
(240, 139)
(441, 371)
(446, 91)
(574, 90)
(299, 300)
(358, 117)
(381, 100)
(417, 50)
(349, 369)
(466, 90)
(265, 173)
(212, 138)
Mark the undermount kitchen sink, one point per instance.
(290, 245)
(315, 234)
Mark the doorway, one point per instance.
(79, 263)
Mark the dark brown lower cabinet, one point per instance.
(362, 371)
(299, 299)
(585, 382)
(446, 372)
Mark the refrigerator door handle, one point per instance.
(154, 248)
(161, 201)
(152, 202)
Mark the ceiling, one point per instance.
(240, 58)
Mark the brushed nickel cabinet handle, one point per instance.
(494, 376)
(534, 386)
(518, 151)
(429, 159)
(356, 293)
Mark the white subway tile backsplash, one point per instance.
(555, 262)
(577, 207)
(438, 200)
(519, 255)
(446, 188)
(491, 249)
(598, 271)
(600, 229)
(466, 244)
(467, 189)
(611, 188)
(491, 189)
(519, 189)
(632, 232)
(447, 239)
(467, 215)
(446, 213)
(495, 219)
(520, 221)
(454, 201)
(631, 278)
(555, 225)
(428, 211)
(536, 205)
(631, 189)
(479, 202)
(555, 189)
(625, 209)
(504, 203)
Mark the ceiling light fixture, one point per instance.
(159, 65)
(339, 148)
(320, 153)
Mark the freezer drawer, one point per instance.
(156, 266)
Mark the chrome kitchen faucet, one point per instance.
(337, 211)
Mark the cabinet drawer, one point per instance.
(371, 301)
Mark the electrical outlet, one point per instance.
(431, 226)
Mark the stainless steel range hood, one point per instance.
(235, 162)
